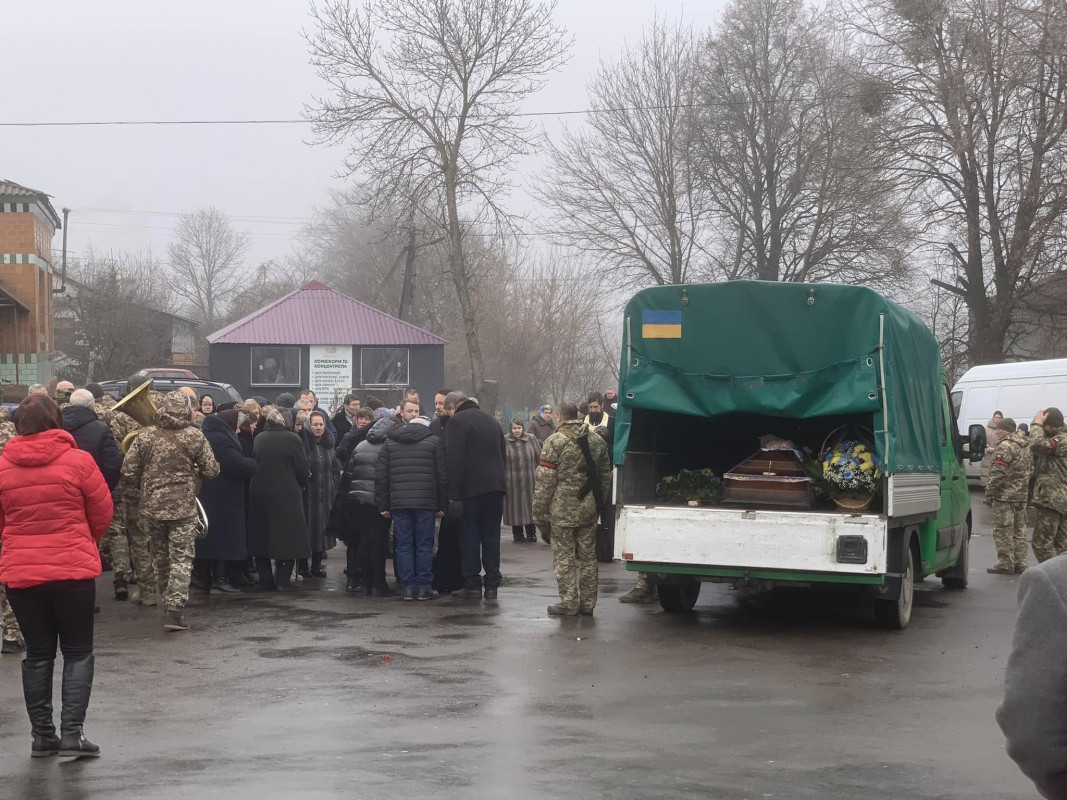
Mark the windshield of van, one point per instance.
(957, 403)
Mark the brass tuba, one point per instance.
(138, 404)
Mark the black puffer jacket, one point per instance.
(411, 471)
(359, 470)
(94, 436)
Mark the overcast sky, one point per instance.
(217, 59)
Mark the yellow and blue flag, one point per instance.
(661, 324)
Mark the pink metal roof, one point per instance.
(316, 314)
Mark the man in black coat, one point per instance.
(345, 419)
(93, 435)
(474, 458)
(410, 488)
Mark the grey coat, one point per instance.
(520, 466)
(1033, 715)
(541, 428)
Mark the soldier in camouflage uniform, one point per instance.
(9, 626)
(1048, 441)
(168, 462)
(124, 497)
(565, 503)
(1008, 488)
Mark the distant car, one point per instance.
(220, 392)
(173, 373)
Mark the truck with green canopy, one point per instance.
(716, 378)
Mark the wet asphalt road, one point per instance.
(791, 697)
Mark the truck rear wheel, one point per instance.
(896, 614)
(681, 596)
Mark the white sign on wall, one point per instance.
(331, 368)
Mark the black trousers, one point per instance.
(481, 539)
(58, 612)
(373, 544)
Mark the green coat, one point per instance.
(563, 473)
(276, 527)
(1009, 475)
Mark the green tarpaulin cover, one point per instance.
(785, 350)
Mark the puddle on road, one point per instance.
(473, 620)
(262, 639)
(348, 654)
(453, 635)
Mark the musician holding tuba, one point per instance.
(132, 556)
(168, 461)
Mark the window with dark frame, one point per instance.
(275, 366)
(384, 366)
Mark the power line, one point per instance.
(564, 113)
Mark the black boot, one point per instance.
(302, 568)
(317, 570)
(200, 578)
(77, 686)
(266, 577)
(531, 533)
(284, 577)
(516, 534)
(220, 583)
(354, 585)
(37, 689)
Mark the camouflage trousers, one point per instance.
(118, 545)
(174, 543)
(142, 551)
(574, 562)
(1050, 533)
(1009, 534)
(8, 624)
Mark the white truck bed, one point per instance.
(783, 540)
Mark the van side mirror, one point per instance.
(976, 442)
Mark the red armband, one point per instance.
(549, 465)
(1002, 463)
(1054, 444)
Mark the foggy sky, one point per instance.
(224, 59)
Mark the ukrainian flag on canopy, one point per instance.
(661, 324)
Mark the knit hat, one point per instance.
(421, 421)
(285, 400)
(382, 413)
(1007, 424)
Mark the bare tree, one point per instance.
(427, 91)
(802, 183)
(206, 261)
(977, 92)
(621, 187)
(113, 319)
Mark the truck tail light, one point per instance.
(851, 550)
(628, 556)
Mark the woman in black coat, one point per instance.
(276, 528)
(224, 500)
(320, 491)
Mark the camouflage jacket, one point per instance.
(1009, 474)
(1050, 466)
(168, 461)
(562, 474)
(122, 425)
(7, 433)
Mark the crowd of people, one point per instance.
(253, 497)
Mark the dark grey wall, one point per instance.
(231, 363)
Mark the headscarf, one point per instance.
(382, 413)
(230, 417)
(276, 418)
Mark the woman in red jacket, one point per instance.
(54, 507)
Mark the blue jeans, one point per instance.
(413, 530)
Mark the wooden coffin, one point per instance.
(770, 477)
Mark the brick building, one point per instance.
(27, 225)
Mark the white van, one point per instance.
(1018, 390)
